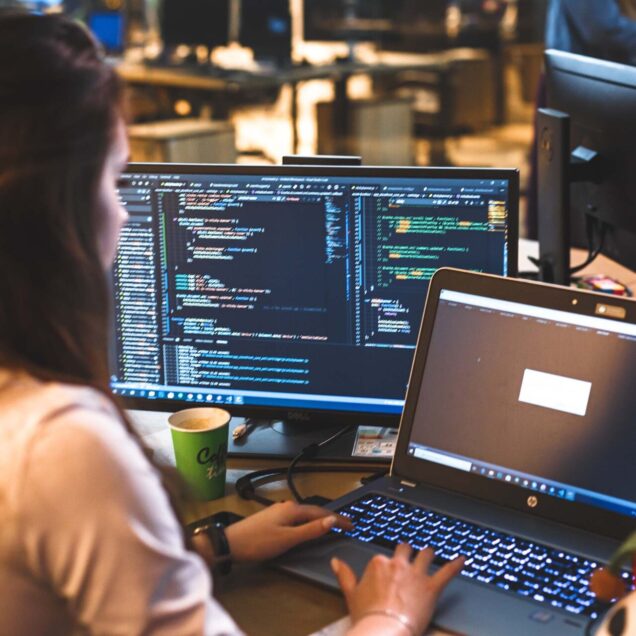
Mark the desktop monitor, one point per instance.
(594, 102)
(266, 28)
(195, 22)
(292, 293)
(108, 28)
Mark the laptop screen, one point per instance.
(542, 399)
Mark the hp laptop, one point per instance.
(516, 449)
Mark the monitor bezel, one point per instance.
(304, 415)
(581, 516)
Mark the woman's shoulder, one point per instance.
(27, 402)
(36, 413)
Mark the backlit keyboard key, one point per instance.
(516, 566)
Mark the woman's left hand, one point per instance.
(273, 531)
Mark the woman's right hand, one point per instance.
(392, 587)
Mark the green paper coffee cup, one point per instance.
(200, 438)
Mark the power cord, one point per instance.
(310, 452)
(247, 485)
(592, 225)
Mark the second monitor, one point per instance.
(292, 293)
(266, 28)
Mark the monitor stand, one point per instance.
(558, 170)
(276, 439)
(267, 439)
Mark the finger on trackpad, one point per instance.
(356, 556)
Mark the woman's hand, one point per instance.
(396, 586)
(279, 528)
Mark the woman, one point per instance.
(88, 535)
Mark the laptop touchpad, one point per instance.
(356, 556)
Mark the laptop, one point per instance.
(516, 448)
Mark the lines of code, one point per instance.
(410, 239)
(265, 287)
(136, 293)
(193, 366)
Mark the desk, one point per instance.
(226, 87)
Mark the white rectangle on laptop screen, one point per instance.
(555, 392)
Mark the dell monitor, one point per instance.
(587, 162)
(292, 293)
(195, 22)
(266, 28)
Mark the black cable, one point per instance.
(593, 252)
(290, 477)
(310, 452)
(246, 486)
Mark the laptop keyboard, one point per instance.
(546, 575)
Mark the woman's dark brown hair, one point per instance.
(59, 106)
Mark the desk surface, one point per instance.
(266, 602)
(198, 78)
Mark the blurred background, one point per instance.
(398, 82)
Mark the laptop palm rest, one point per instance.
(458, 607)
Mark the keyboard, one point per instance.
(546, 575)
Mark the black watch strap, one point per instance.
(220, 545)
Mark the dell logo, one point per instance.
(298, 416)
(533, 502)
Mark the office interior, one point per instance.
(464, 97)
(396, 84)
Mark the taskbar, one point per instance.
(208, 397)
(523, 480)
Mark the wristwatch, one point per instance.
(215, 531)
